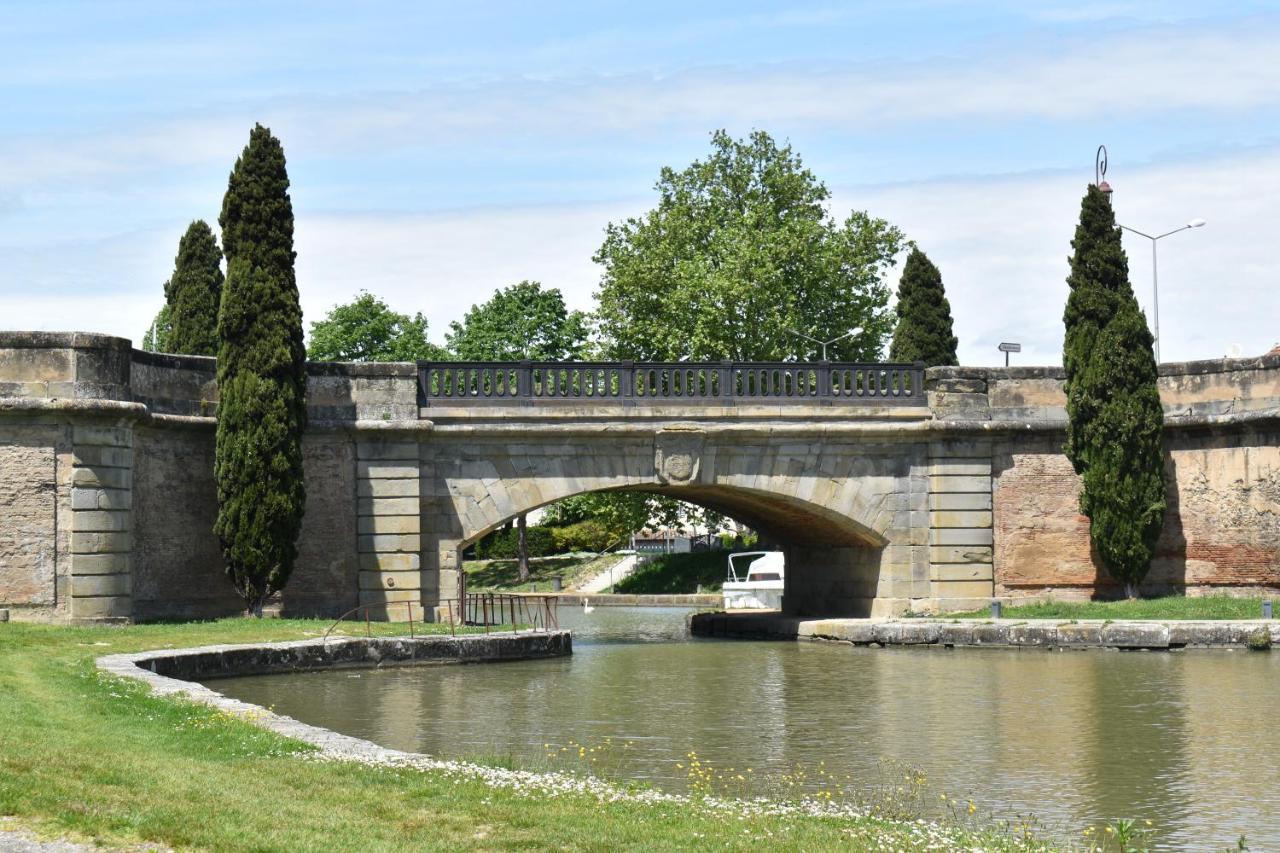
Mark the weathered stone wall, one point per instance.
(29, 509)
(107, 498)
(1221, 529)
(178, 568)
(177, 560)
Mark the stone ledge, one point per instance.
(344, 653)
(1012, 633)
(172, 670)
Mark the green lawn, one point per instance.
(1167, 607)
(677, 574)
(92, 757)
(502, 575)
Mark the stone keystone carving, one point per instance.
(677, 455)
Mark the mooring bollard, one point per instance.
(1266, 609)
(995, 610)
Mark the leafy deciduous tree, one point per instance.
(367, 330)
(924, 330)
(261, 378)
(157, 337)
(524, 321)
(1115, 421)
(739, 249)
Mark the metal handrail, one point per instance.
(483, 604)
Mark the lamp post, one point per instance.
(1155, 279)
(824, 344)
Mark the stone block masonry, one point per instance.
(961, 564)
(107, 498)
(389, 533)
(101, 523)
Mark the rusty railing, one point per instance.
(481, 609)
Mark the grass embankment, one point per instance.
(87, 756)
(504, 576)
(677, 574)
(1167, 607)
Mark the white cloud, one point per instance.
(442, 264)
(1002, 245)
(1138, 72)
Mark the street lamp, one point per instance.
(1155, 281)
(824, 344)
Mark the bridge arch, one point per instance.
(840, 511)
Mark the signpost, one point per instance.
(1008, 348)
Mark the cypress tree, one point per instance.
(1115, 421)
(194, 291)
(923, 332)
(261, 377)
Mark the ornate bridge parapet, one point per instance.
(722, 383)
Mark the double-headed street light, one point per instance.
(1155, 281)
(823, 344)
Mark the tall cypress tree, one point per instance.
(924, 331)
(1115, 421)
(261, 377)
(194, 291)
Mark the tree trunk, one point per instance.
(1130, 589)
(522, 547)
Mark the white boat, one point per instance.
(755, 586)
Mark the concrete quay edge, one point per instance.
(134, 666)
(174, 670)
(1156, 635)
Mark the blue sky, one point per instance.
(438, 152)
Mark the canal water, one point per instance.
(1188, 739)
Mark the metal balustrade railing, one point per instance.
(624, 382)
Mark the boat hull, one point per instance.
(748, 595)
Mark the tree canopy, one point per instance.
(924, 331)
(156, 338)
(523, 321)
(1115, 420)
(739, 249)
(261, 378)
(194, 292)
(365, 329)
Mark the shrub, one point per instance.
(589, 535)
(505, 544)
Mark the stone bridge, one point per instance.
(889, 487)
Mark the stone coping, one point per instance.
(1163, 635)
(147, 667)
(174, 670)
(1165, 368)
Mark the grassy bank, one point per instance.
(91, 757)
(1167, 607)
(677, 574)
(504, 576)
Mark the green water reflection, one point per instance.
(1184, 739)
